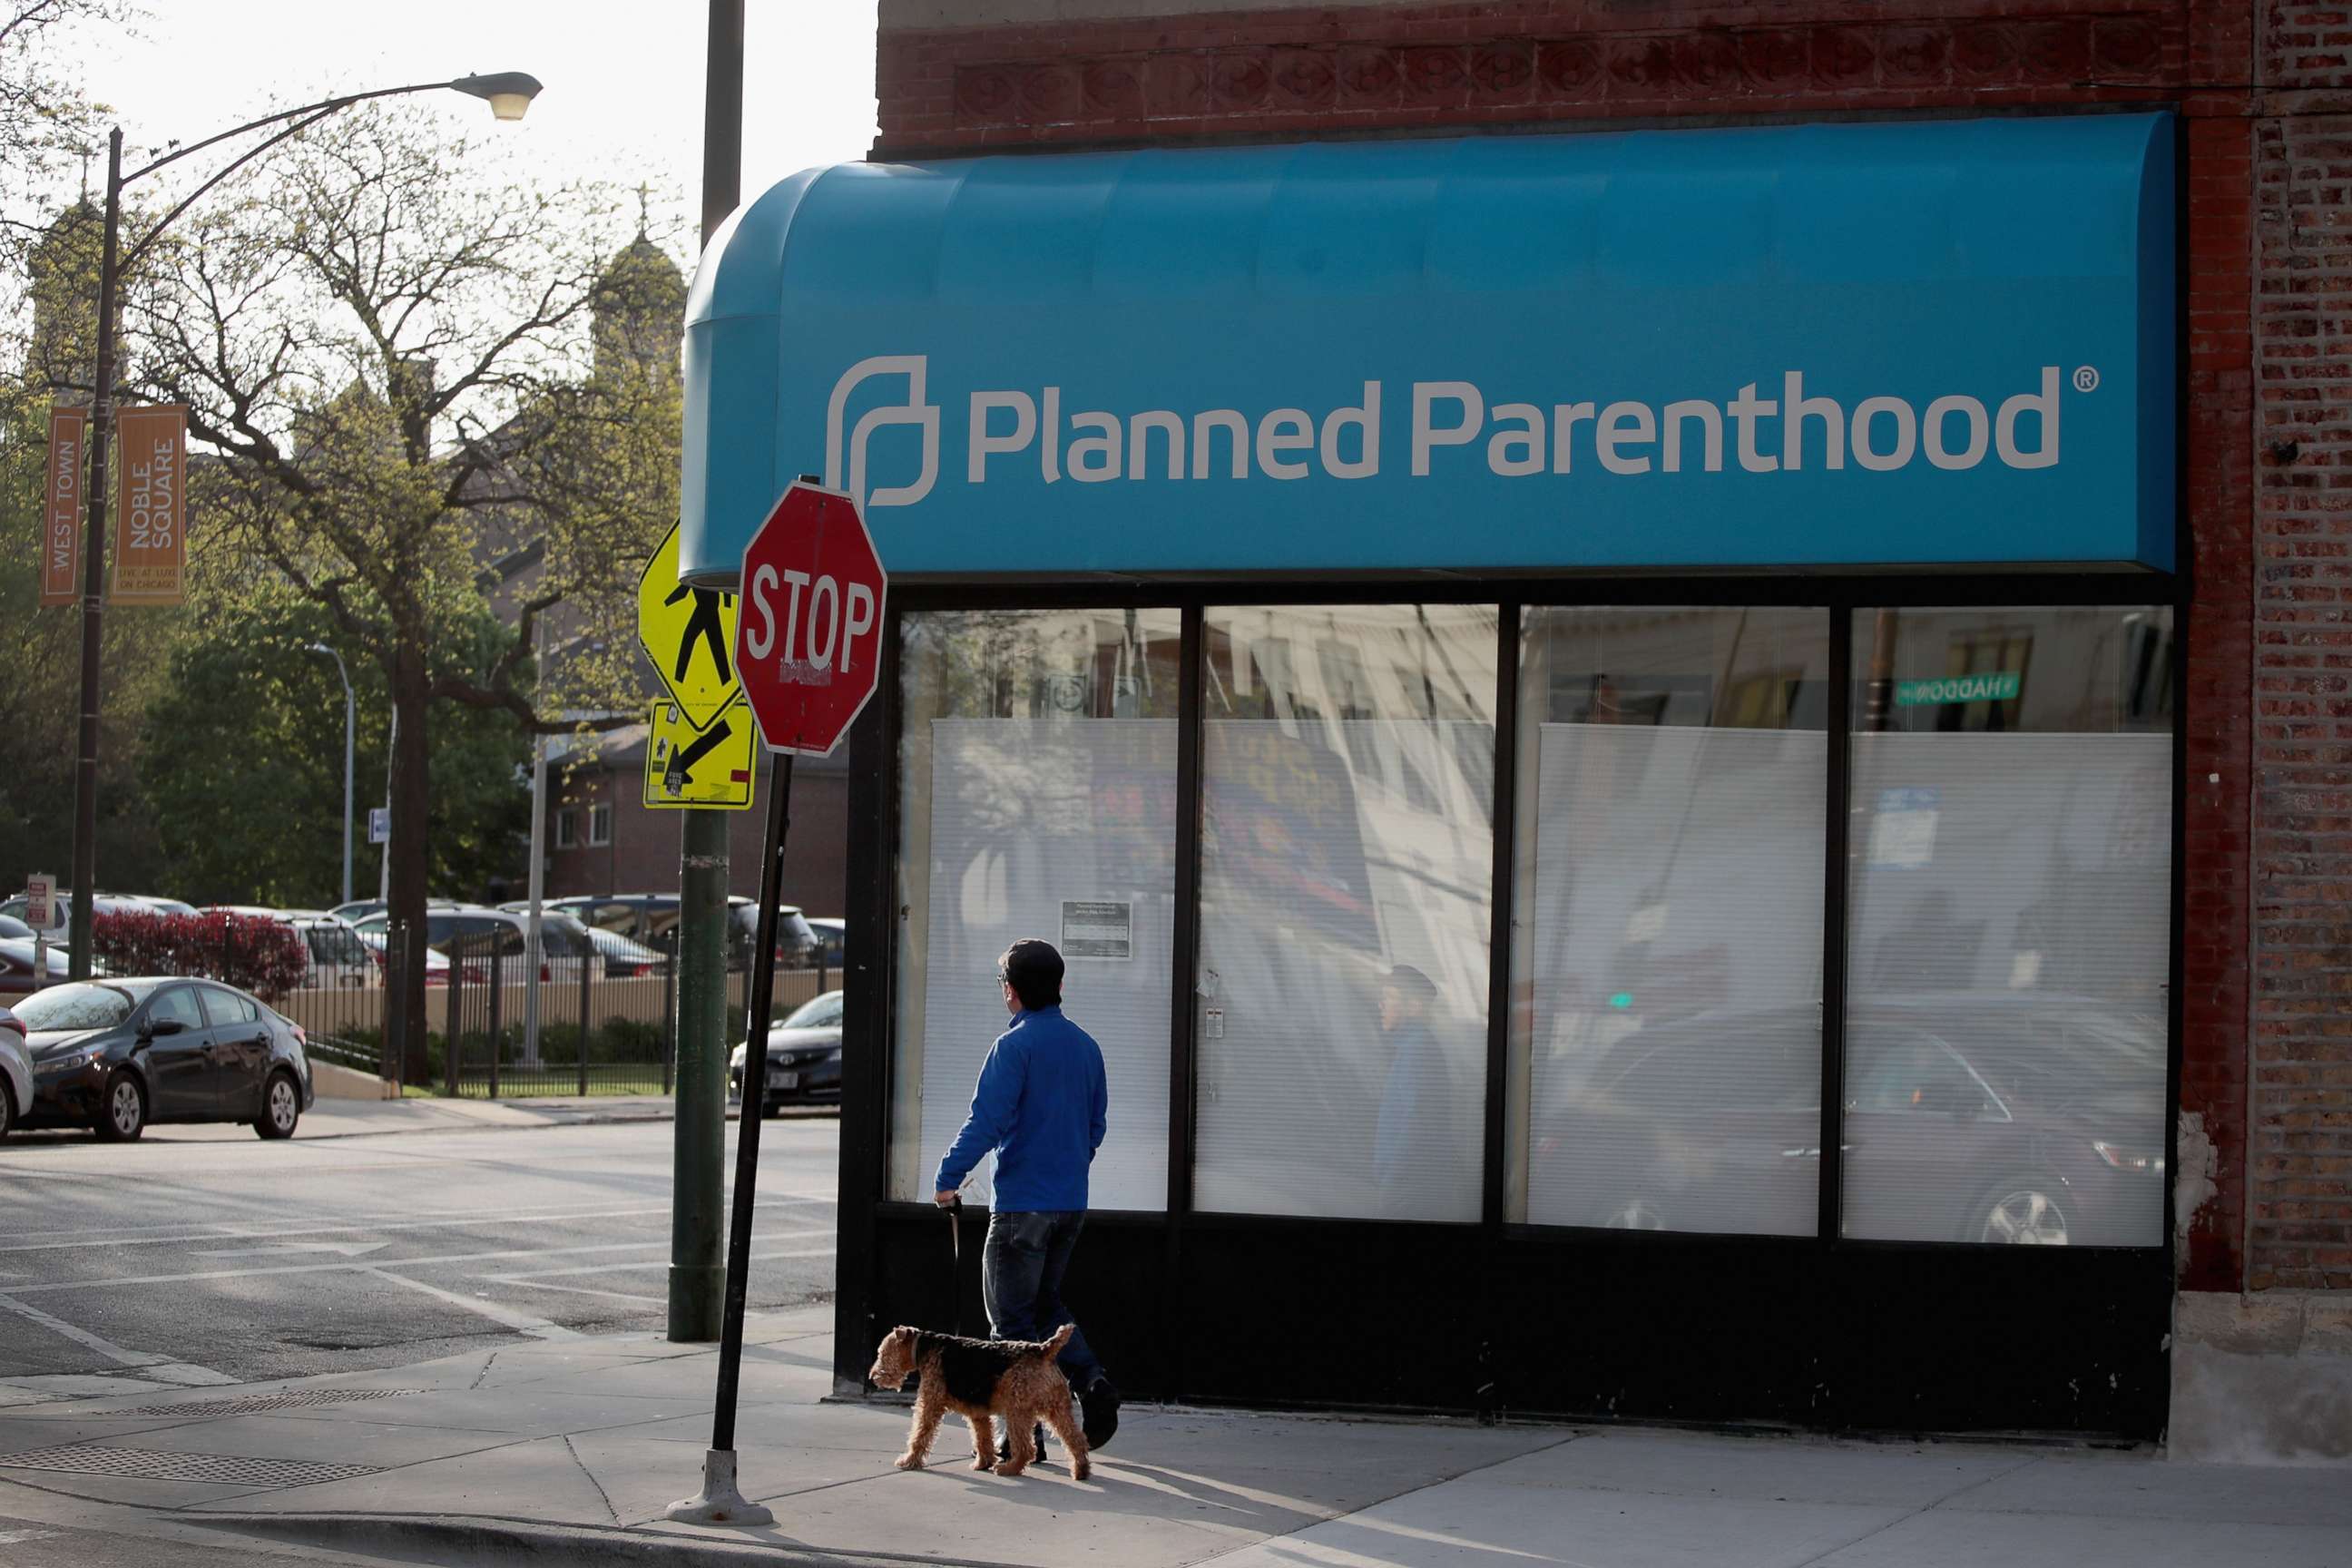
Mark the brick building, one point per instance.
(1320, 743)
(601, 838)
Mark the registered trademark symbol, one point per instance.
(2086, 380)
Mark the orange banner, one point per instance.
(151, 536)
(61, 506)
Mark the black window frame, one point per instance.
(1843, 597)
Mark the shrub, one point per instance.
(265, 957)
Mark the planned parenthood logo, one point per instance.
(1444, 428)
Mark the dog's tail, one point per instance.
(1061, 1337)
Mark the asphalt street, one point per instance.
(204, 1256)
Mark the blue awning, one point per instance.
(1919, 343)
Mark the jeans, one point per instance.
(1021, 1276)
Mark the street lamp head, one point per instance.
(507, 93)
(319, 647)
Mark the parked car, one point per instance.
(61, 910)
(10, 926)
(436, 965)
(473, 933)
(832, 934)
(333, 954)
(1975, 1118)
(650, 918)
(17, 967)
(15, 1072)
(358, 910)
(624, 957)
(803, 1057)
(116, 1054)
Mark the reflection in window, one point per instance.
(1346, 863)
(1037, 789)
(2012, 895)
(1667, 935)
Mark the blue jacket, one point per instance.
(1042, 1105)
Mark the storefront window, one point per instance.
(1038, 790)
(1348, 763)
(2011, 898)
(1667, 934)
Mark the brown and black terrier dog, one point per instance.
(1015, 1379)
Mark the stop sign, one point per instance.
(808, 632)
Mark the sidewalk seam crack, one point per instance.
(1391, 1497)
(592, 1481)
(1928, 1507)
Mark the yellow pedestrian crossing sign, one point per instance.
(688, 633)
(707, 766)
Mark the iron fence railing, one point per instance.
(608, 1023)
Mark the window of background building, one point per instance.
(1347, 836)
(1037, 791)
(600, 824)
(2008, 948)
(1666, 933)
(567, 828)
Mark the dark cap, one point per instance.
(1033, 968)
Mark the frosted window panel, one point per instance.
(1312, 893)
(2005, 1038)
(1346, 912)
(1673, 944)
(1032, 820)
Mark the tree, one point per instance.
(40, 701)
(241, 764)
(385, 341)
(44, 119)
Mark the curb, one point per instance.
(462, 1541)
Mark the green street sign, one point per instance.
(2000, 686)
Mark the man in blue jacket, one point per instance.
(1042, 1106)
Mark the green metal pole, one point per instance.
(697, 1274)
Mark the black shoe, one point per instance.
(1005, 1443)
(1099, 1403)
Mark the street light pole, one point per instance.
(350, 722)
(508, 93)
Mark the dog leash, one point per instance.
(954, 1209)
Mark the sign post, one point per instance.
(689, 635)
(40, 913)
(808, 648)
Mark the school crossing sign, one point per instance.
(689, 636)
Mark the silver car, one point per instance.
(15, 1072)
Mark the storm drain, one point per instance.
(258, 1403)
(153, 1465)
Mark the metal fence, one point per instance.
(604, 1025)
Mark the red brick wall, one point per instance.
(2267, 553)
(643, 855)
(2301, 1230)
(1314, 71)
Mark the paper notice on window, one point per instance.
(1097, 928)
(1903, 830)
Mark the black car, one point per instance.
(803, 1057)
(1969, 1118)
(115, 1055)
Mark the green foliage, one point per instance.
(241, 760)
(40, 702)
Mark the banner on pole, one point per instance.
(61, 506)
(151, 536)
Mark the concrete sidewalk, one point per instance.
(568, 1449)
